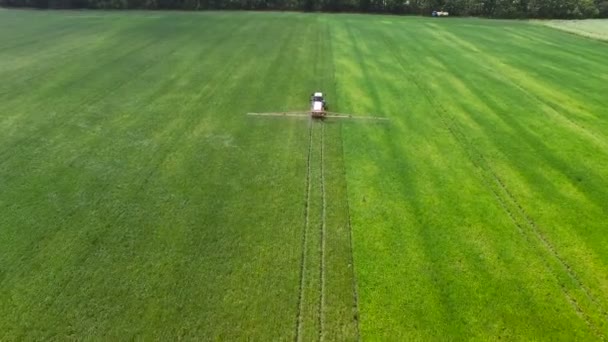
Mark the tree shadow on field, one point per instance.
(584, 179)
(419, 210)
(391, 179)
(398, 179)
(538, 146)
(453, 263)
(553, 72)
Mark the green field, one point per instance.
(137, 201)
(592, 28)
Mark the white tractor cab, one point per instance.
(317, 105)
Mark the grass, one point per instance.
(592, 28)
(139, 202)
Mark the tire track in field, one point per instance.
(321, 53)
(523, 213)
(322, 250)
(485, 172)
(504, 203)
(350, 240)
(304, 246)
(571, 300)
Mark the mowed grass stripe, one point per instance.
(339, 307)
(308, 185)
(349, 232)
(337, 319)
(311, 327)
(322, 238)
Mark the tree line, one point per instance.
(561, 9)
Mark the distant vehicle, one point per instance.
(440, 14)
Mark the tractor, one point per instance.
(318, 107)
(318, 110)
